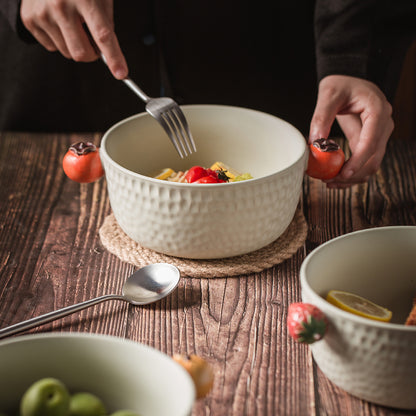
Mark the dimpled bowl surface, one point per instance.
(123, 373)
(372, 360)
(205, 221)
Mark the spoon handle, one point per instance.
(51, 316)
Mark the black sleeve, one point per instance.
(364, 38)
(10, 9)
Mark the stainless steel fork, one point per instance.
(170, 116)
(168, 113)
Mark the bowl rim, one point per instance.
(104, 154)
(113, 339)
(320, 301)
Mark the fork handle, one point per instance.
(136, 89)
(131, 84)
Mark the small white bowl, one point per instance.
(211, 220)
(372, 360)
(124, 374)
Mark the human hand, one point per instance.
(58, 25)
(365, 116)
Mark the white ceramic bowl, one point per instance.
(124, 374)
(372, 360)
(211, 220)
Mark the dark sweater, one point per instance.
(253, 54)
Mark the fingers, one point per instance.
(37, 20)
(58, 25)
(51, 45)
(367, 135)
(364, 115)
(371, 146)
(76, 39)
(104, 37)
(329, 103)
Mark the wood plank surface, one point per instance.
(51, 256)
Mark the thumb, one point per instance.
(328, 104)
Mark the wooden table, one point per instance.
(51, 256)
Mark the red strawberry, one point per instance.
(306, 323)
(207, 179)
(212, 173)
(195, 173)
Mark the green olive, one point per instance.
(45, 397)
(124, 413)
(86, 404)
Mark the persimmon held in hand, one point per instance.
(82, 163)
(326, 159)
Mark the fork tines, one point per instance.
(178, 130)
(168, 113)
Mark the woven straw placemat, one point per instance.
(118, 243)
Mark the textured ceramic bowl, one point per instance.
(211, 220)
(372, 360)
(124, 374)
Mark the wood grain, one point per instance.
(51, 256)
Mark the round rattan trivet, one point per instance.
(118, 243)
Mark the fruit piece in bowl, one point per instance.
(358, 305)
(411, 318)
(217, 173)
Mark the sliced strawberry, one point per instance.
(212, 173)
(306, 323)
(208, 179)
(198, 174)
(195, 173)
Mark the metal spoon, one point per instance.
(146, 285)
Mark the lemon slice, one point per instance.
(230, 172)
(358, 305)
(164, 173)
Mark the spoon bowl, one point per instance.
(151, 283)
(146, 285)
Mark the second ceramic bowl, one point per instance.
(373, 360)
(123, 374)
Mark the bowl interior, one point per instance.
(247, 140)
(124, 374)
(378, 264)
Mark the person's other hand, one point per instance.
(365, 116)
(58, 26)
